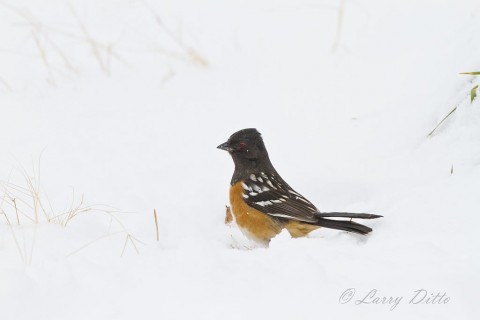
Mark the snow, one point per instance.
(124, 102)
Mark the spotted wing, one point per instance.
(269, 194)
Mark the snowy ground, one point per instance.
(124, 102)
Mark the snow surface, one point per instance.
(124, 102)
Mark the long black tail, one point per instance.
(345, 225)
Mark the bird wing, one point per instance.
(269, 194)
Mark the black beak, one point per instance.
(225, 146)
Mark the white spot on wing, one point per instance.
(295, 193)
(253, 178)
(257, 188)
(245, 187)
(285, 216)
(263, 203)
(245, 196)
(264, 176)
(302, 199)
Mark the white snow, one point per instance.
(124, 102)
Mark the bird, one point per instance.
(263, 204)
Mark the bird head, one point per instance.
(248, 153)
(245, 146)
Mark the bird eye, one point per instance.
(242, 145)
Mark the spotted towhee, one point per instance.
(263, 203)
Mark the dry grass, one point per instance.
(39, 35)
(22, 250)
(130, 239)
(49, 50)
(442, 121)
(472, 95)
(156, 223)
(338, 33)
(50, 45)
(24, 207)
(187, 52)
(103, 52)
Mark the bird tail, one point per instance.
(346, 225)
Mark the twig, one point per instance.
(16, 210)
(338, 35)
(131, 238)
(475, 73)
(17, 243)
(438, 125)
(29, 262)
(156, 223)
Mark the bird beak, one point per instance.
(225, 146)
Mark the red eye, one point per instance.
(242, 145)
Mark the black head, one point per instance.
(248, 152)
(246, 143)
